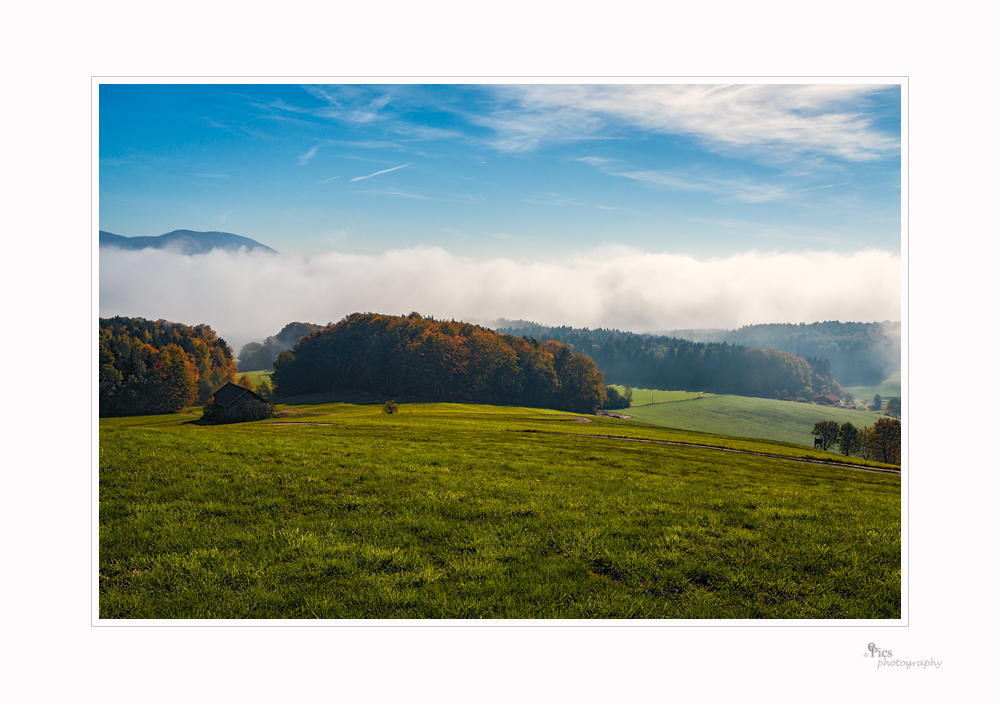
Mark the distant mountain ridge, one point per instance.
(185, 241)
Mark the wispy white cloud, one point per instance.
(738, 189)
(742, 190)
(779, 120)
(304, 159)
(561, 200)
(551, 199)
(363, 144)
(379, 173)
(328, 180)
(525, 127)
(279, 104)
(405, 194)
(222, 218)
(349, 103)
(213, 175)
(246, 296)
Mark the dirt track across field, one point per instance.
(835, 464)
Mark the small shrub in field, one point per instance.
(390, 407)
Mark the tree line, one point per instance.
(880, 442)
(148, 367)
(860, 353)
(417, 355)
(677, 364)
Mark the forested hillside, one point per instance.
(148, 367)
(860, 353)
(257, 356)
(669, 363)
(414, 355)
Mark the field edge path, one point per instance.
(820, 462)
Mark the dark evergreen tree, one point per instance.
(848, 439)
(894, 407)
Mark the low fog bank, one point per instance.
(246, 296)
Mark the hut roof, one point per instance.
(230, 393)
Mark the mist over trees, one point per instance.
(421, 356)
(147, 367)
(860, 353)
(678, 364)
(257, 356)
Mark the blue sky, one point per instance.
(639, 207)
(531, 171)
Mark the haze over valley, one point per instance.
(246, 295)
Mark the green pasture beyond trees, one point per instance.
(255, 376)
(470, 511)
(889, 388)
(739, 416)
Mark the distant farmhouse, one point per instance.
(233, 403)
(829, 399)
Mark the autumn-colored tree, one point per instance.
(828, 432)
(418, 355)
(582, 385)
(245, 382)
(865, 442)
(886, 441)
(158, 366)
(180, 380)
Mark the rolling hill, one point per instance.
(739, 416)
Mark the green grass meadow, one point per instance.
(468, 511)
(739, 416)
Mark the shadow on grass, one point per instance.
(367, 397)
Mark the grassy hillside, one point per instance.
(469, 511)
(646, 396)
(255, 376)
(746, 417)
(889, 388)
